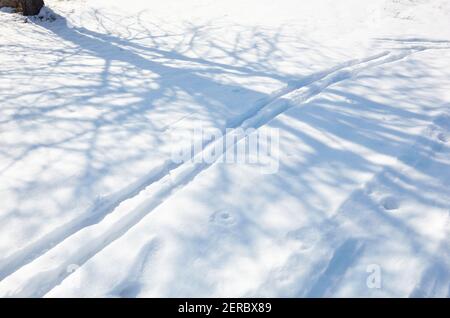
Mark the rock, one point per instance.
(31, 7)
(27, 7)
(9, 4)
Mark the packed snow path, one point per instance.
(363, 177)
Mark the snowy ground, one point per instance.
(92, 95)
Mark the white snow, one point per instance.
(95, 98)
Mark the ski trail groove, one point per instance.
(47, 271)
(105, 205)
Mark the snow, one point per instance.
(95, 98)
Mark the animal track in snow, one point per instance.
(390, 203)
(442, 137)
(223, 218)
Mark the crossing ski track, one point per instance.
(37, 269)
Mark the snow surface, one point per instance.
(92, 94)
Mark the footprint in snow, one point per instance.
(390, 203)
(442, 137)
(223, 218)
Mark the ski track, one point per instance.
(93, 233)
(105, 205)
